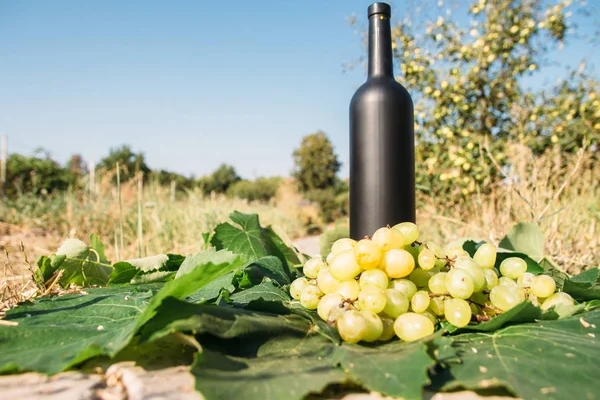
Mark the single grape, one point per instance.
(542, 286)
(374, 277)
(513, 267)
(397, 263)
(526, 280)
(313, 266)
(506, 281)
(352, 326)
(348, 289)
(412, 326)
(297, 286)
(367, 253)
(405, 286)
(506, 297)
(326, 282)
(438, 251)
(409, 230)
(420, 277)
(327, 303)
(330, 258)
(491, 278)
(396, 303)
(344, 266)
(457, 312)
(413, 249)
(437, 283)
(466, 263)
(420, 301)
(374, 326)
(388, 239)
(485, 256)
(310, 297)
(436, 305)
(480, 297)
(455, 251)
(342, 245)
(558, 300)
(459, 283)
(475, 309)
(388, 329)
(426, 259)
(431, 316)
(372, 298)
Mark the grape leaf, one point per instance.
(522, 312)
(556, 273)
(209, 255)
(585, 286)
(125, 271)
(266, 291)
(526, 238)
(212, 289)
(287, 367)
(56, 333)
(550, 360)
(269, 266)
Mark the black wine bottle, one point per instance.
(382, 160)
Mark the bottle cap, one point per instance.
(380, 8)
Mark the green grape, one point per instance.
(374, 326)
(352, 326)
(342, 245)
(405, 286)
(467, 264)
(431, 316)
(475, 309)
(310, 297)
(348, 289)
(536, 301)
(326, 282)
(437, 283)
(409, 230)
(388, 239)
(438, 251)
(330, 258)
(397, 263)
(526, 280)
(542, 286)
(344, 266)
(506, 281)
(457, 312)
(491, 278)
(297, 286)
(413, 249)
(426, 259)
(374, 277)
(420, 277)
(455, 251)
(367, 253)
(388, 329)
(329, 302)
(506, 297)
(372, 298)
(412, 326)
(479, 298)
(420, 301)
(558, 300)
(396, 303)
(313, 266)
(436, 305)
(459, 283)
(485, 256)
(513, 267)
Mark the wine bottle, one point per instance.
(382, 160)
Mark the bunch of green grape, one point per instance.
(392, 284)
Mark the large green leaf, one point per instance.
(547, 360)
(526, 238)
(266, 291)
(585, 286)
(130, 271)
(56, 333)
(523, 312)
(209, 255)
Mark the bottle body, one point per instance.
(382, 161)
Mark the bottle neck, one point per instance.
(380, 47)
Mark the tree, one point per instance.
(77, 165)
(316, 164)
(467, 85)
(129, 162)
(33, 175)
(220, 180)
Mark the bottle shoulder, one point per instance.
(381, 89)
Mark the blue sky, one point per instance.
(191, 84)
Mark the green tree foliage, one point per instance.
(220, 180)
(466, 80)
(316, 164)
(37, 176)
(261, 189)
(164, 178)
(129, 162)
